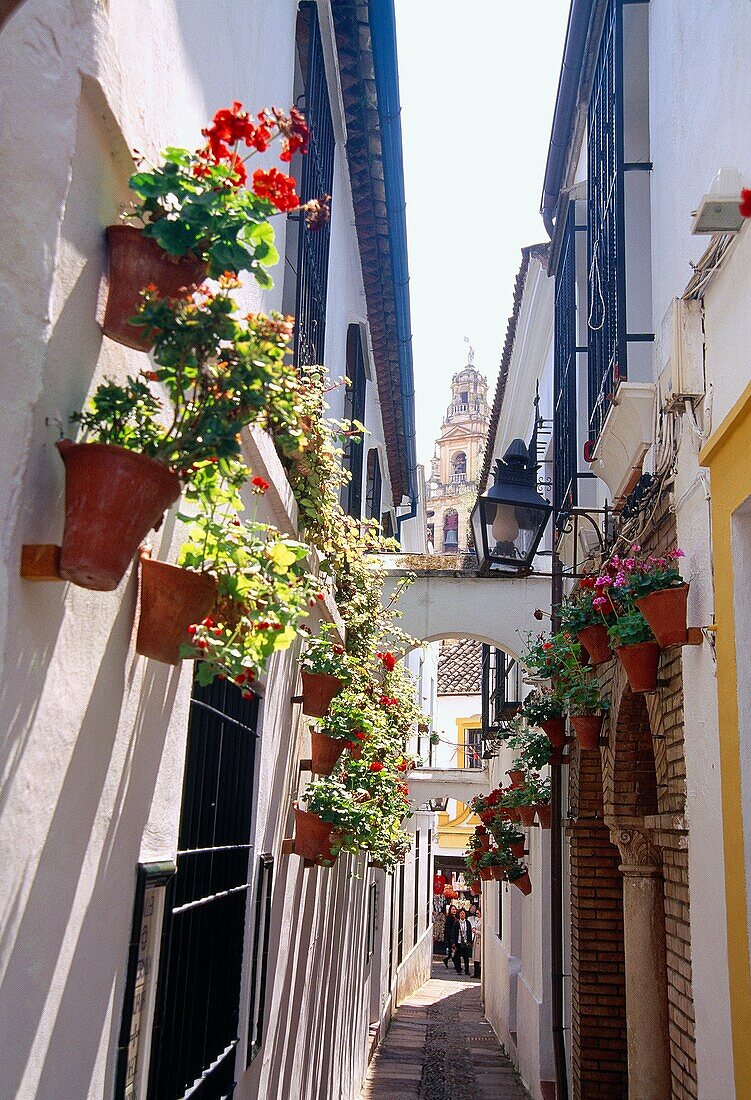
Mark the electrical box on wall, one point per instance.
(680, 353)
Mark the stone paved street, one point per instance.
(439, 1046)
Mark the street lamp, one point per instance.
(438, 805)
(508, 521)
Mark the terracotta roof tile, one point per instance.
(460, 667)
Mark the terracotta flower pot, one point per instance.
(486, 874)
(311, 834)
(517, 777)
(543, 814)
(356, 753)
(513, 813)
(523, 883)
(171, 599)
(484, 842)
(517, 848)
(527, 815)
(113, 497)
(135, 263)
(497, 873)
(555, 728)
(487, 816)
(595, 641)
(325, 752)
(665, 611)
(327, 856)
(587, 728)
(318, 689)
(641, 662)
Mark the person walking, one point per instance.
(448, 934)
(463, 938)
(475, 919)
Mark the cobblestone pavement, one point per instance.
(440, 1047)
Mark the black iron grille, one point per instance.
(565, 456)
(197, 1022)
(501, 690)
(316, 180)
(606, 238)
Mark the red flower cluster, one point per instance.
(295, 132)
(745, 204)
(376, 766)
(279, 189)
(338, 649)
(389, 660)
(402, 766)
(386, 701)
(588, 582)
(259, 485)
(402, 789)
(361, 736)
(232, 125)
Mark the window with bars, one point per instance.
(354, 409)
(565, 454)
(473, 748)
(196, 1025)
(500, 690)
(316, 178)
(260, 959)
(606, 220)
(416, 921)
(373, 486)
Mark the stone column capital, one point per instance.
(641, 858)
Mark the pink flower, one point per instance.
(673, 554)
(635, 548)
(620, 580)
(599, 601)
(603, 582)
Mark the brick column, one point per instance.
(647, 1022)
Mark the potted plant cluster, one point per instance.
(326, 669)
(586, 707)
(586, 616)
(545, 708)
(347, 725)
(192, 215)
(660, 593)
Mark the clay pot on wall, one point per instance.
(311, 834)
(113, 497)
(171, 600)
(543, 815)
(587, 728)
(527, 815)
(497, 873)
(665, 611)
(641, 662)
(135, 263)
(517, 848)
(517, 777)
(555, 728)
(486, 874)
(325, 752)
(513, 813)
(523, 883)
(595, 641)
(318, 689)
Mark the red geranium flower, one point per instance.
(389, 661)
(745, 205)
(259, 485)
(361, 736)
(277, 188)
(376, 766)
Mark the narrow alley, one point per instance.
(440, 1045)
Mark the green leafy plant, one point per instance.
(551, 655)
(582, 693)
(324, 654)
(264, 587)
(630, 628)
(217, 374)
(530, 745)
(349, 718)
(542, 705)
(580, 610)
(539, 790)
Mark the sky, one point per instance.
(478, 80)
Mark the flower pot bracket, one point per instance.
(306, 765)
(40, 561)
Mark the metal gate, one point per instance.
(197, 1022)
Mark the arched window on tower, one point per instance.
(451, 531)
(459, 466)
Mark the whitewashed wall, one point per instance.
(93, 736)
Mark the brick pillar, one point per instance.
(647, 1021)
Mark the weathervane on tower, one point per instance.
(470, 354)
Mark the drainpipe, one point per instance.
(556, 882)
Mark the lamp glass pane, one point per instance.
(512, 529)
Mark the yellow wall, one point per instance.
(727, 456)
(454, 832)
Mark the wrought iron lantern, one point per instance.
(509, 520)
(438, 805)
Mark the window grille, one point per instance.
(416, 922)
(373, 486)
(606, 220)
(565, 454)
(316, 178)
(473, 748)
(354, 409)
(197, 1021)
(500, 690)
(372, 920)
